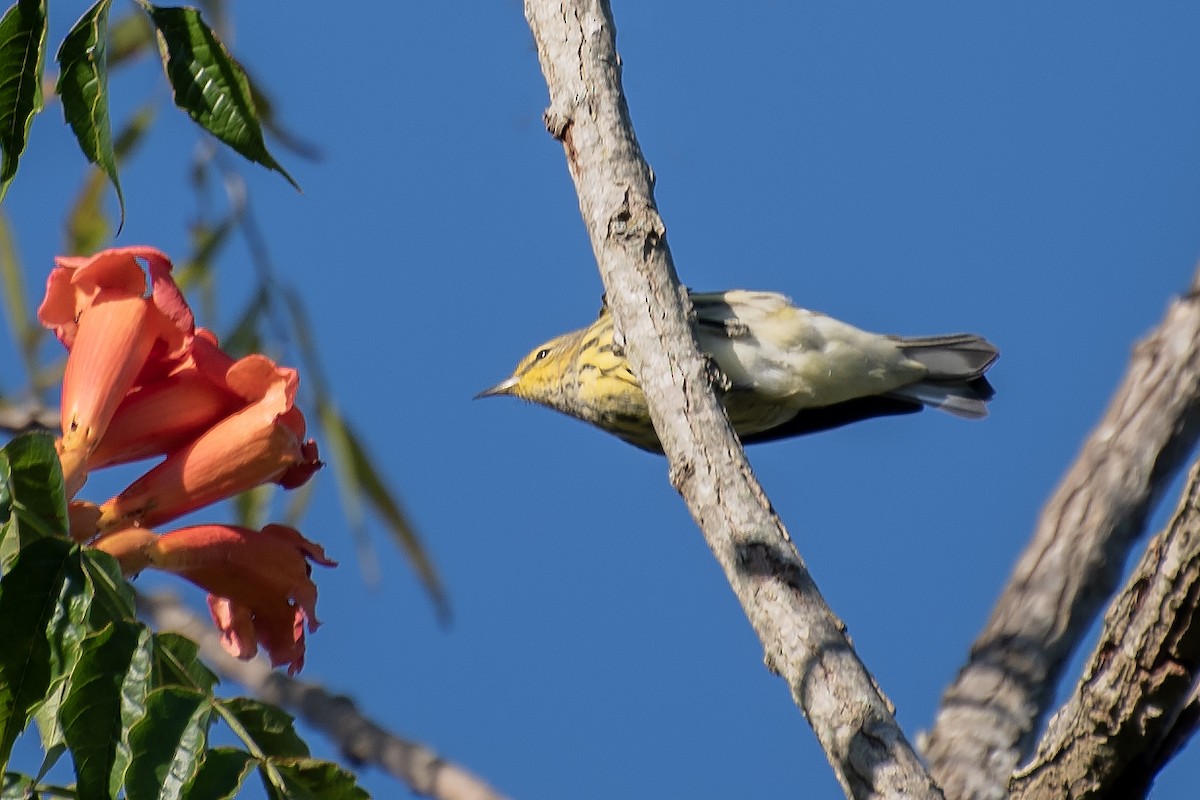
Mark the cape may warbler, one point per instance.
(789, 371)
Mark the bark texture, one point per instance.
(990, 714)
(1108, 740)
(804, 642)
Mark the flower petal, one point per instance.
(262, 575)
(256, 445)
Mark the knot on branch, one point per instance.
(635, 221)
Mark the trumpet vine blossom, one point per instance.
(143, 381)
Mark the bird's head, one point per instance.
(543, 376)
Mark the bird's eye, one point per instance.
(542, 354)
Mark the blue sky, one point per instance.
(1028, 172)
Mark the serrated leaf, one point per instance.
(31, 596)
(311, 779)
(209, 85)
(35, 494)
(177, 663)
(107, 697)
(65, 631)
(221, 775)
(22, 60)
(270, 729)
(54, 744)
(112, 596)
(167, 744)
(83, 88)
(355, 469)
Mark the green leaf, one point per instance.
(167, 744)
(177, 663)
(112, 596)
(269, 728)
(22, 60)
(34, 493)
(32, 595)
(108, 696)
(208, 84)
(221, 775)
(54, 743)
(310, 779)
(26, 332)
(83, 87)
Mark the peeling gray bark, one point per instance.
(804, 642)
(1107, 740)
(990, 715)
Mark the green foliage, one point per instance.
(132, 709)
(83, 87)
(22, 56)
(206, 82)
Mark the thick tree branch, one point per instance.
(1106, 740)
(360, 740)
(990, 714)
(804, 642)
(18, 418)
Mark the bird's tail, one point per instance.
(956, 365)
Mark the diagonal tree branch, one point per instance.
(804, 642)
(1106, 741)
(990, 714)
(18, 418)
(357, 737)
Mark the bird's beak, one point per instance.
(503, 387)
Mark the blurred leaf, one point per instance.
(167, 744)
(358, 477)
(208, 84)
(17, 787)
(177, 663)
(244, 338)
(88, 228)
(22, 61)
(83, 88)
(31, 594)
(320, 780)
(207, 240)
(252, 507)
(128, 37)
(108, 692)
(298, 501)
(27, 333)
(221, 775)
(270, 729)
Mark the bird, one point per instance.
(787, 371)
